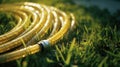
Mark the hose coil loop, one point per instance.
(38, 27)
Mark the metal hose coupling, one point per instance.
(45, 44)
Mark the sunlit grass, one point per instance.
(95, 41)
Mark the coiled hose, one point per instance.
(34, 22)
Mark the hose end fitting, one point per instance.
(44, 44)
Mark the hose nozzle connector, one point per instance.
(44, 44)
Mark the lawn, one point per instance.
(94, 41)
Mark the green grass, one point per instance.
(7, 22)
(94, 42)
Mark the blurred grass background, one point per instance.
(94, 42)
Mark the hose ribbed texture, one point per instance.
(35, 23)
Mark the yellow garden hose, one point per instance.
(34, 22)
